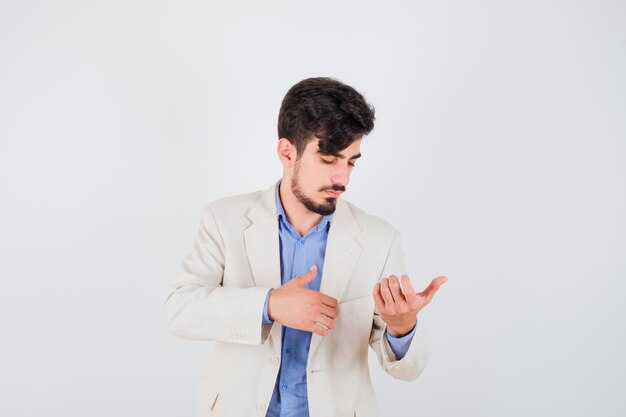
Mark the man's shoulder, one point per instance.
(239, 205)
(368, 222)
(234, 203)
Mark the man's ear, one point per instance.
(286, 152)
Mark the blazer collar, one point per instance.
(262, 240)
(263, 248)
(263, 245)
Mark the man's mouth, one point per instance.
(336, 188)
(332, 193)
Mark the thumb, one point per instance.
(307, 276)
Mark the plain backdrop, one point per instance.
(499, 152)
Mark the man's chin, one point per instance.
(331, 204)
(322, 203)
(324, 208)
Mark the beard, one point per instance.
(325, 208)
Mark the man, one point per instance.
(294, 283)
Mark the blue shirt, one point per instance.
(297, 255)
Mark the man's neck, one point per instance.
(300, 217)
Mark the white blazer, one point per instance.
(220, 292)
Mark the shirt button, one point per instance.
(288, 350)
(284, 386)
(260, 407)
(301, 243)
(275, 360)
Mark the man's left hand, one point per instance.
(398, 305)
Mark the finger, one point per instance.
(432, 288)
(378, 298)
(307, 276)
(396, 293)
(328, 300)
(329, 311)
(385, 291)
(318, 329)
(407, 289)
(407, 286)
(326, 321)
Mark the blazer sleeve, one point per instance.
(199, 307)
(414, 362)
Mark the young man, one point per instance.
(294, 283)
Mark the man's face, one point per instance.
(318, 179)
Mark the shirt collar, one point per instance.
(283, 217)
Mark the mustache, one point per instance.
(334, 187)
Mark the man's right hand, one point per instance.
(293, 305)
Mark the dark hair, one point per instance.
(327, 109)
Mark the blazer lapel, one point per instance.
(342, 255)
(262, 241)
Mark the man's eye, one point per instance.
(351, 164)
(328, 162)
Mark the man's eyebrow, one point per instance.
(340, 155)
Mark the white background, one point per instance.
(499, 152)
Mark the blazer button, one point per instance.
(275, 361)
(260, 407)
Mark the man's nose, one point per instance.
(341, 176)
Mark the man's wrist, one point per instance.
(401, 331)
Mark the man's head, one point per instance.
(320, 126)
